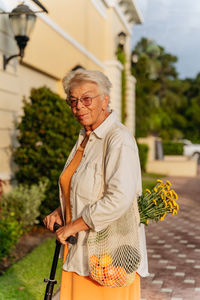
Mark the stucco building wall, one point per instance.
(75, 32)
(11, 96)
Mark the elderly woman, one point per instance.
(83, 205)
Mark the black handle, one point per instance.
(71, 239)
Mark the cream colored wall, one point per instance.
(50, 52)
(113, 71)
(173, 168)
(97, 34)
(171, 165)
(80, 20)
(13, 86)
(7, 43)
(150, 142)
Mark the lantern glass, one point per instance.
(122, 38)
(22, 20)
(135, 58)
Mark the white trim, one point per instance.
(100, 7)
(122, 18)
(131, 11)
(110, 3)
(140, 17)
(114, 63)
(67, 36)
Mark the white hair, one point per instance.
(81, 75)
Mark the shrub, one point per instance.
(47, 133)
(10, 231)
(23, 203)
(143, 154)
(172, 148)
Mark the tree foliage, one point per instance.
(165, 105)
(47, 133)
(192, 111)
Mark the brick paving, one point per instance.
(174, 248)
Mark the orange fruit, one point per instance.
(110, 272)
(97, 273)
(105, 260)
(94, 261)
(121, 276)
(130, 278)
(109, 282)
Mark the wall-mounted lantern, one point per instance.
(22, 20)
(134, 58)
(121, 40)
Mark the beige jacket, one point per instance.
(102, 194)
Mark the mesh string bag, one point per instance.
(113, 252)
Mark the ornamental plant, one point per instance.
(10, 232)
(157, 203)
(22, 203)
(47, 133)
(19, 210)
(121, 56)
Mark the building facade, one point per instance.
(74, 32)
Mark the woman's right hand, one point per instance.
(54, 217)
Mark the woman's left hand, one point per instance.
(63, 233)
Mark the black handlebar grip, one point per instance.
(71, 239)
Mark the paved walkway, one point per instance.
(174, 248)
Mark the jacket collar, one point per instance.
(104, 127)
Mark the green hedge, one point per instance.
(47, 133)
(172, 148)
(143, 153)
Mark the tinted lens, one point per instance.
(86, 101)
(71, 102)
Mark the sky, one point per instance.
(174, 25)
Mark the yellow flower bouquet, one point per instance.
(157, 203)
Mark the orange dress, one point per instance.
(74, 286)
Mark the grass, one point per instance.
(149, 180)
(153, 175)
(24, 280)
